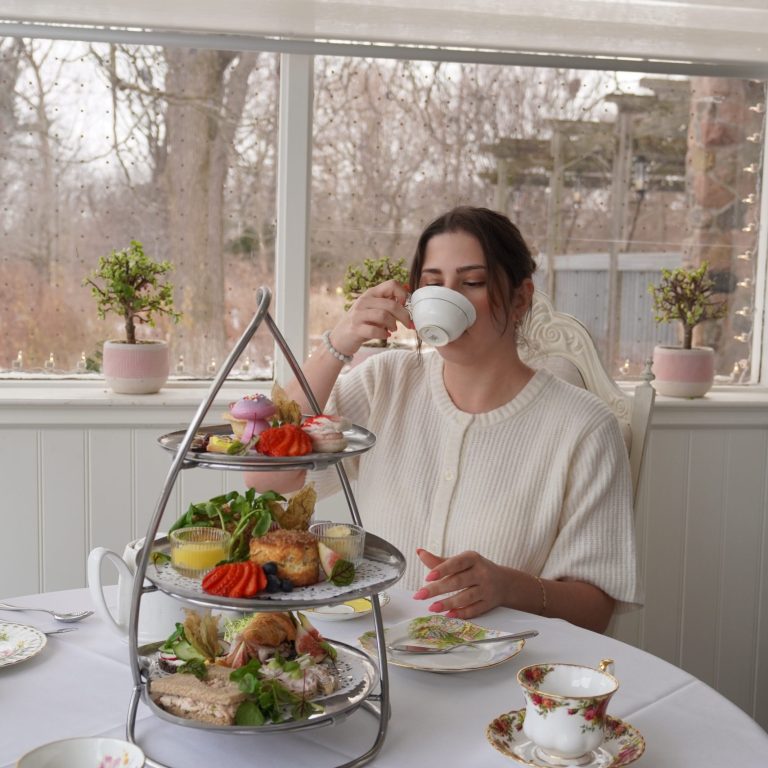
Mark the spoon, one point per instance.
(66, 617)
(431, 649)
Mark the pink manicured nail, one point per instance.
(436, 607)
(419, 550)
(432, 576)
(422, 594)
(451, 615)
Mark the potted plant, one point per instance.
(132, 285)
(685, 294)
(361, 276)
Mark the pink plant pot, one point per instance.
(683, 372)
(135, 369)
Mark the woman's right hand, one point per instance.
(374, 315)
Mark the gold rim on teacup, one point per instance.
(602, 668)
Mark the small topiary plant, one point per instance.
(130, 284)
(685, 294)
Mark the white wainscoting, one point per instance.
(81, 468)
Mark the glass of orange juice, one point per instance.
(195, 551)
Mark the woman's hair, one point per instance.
(508, 259)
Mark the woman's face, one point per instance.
(456, 260)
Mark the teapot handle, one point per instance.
(606, 665)
(125, 587)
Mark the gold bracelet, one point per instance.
(543, 596)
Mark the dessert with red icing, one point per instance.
(285, 440)
(326, 433)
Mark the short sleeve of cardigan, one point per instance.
(595, 542)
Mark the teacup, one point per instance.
(565, 709)
(85, 752)
(158, 613)
(440, 315)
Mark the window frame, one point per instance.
(291, 296)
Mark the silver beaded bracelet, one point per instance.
(340, 356)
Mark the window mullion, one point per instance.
(294, 153)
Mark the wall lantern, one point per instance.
(639, 180)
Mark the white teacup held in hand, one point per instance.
(440, 315)
(566, 709)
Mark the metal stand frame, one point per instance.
(377, 704)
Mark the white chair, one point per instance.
(561, 344)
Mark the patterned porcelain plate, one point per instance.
(351, 609)
(19, 642)
(623, 743)
(381, 567)
(438, 630)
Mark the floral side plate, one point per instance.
(623, 743)
(18, 642)
(441, 631)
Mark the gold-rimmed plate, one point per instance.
(18, 642)
(439, 630)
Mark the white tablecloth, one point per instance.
(80, 684)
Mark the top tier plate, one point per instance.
(359, 440)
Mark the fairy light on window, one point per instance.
(82, 363)
(18, 362)
(50, 363)
(742, 337)
(212, 366)
(180, 364)
(745, 255)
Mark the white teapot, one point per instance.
(158, 613)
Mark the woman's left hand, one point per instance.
(479, 584)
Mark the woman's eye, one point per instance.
(474, 283)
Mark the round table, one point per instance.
(80, 684)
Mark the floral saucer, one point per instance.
(623, 743)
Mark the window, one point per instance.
(102, 144)
(610, 176)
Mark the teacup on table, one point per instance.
(565, 709)
(440, 315)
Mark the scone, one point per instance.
(294, 553)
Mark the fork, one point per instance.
(430, 649)
(65, 617)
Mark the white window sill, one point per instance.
(91, 403)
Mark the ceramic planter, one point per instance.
(683, 372)
(135, 369)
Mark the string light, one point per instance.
(212, 366)
(749, 227)
(82, 363)
(180, 364)
(18, 362)
(625, 367)
(749, 199)
(742, 337)
(744, 311)
(745, 256)
(246, 366)
(50, 363)
(759, 108)
(754, 138)
(745, 283)
(751, 168)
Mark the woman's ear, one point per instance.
(522, 299)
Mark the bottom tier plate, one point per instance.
(358, 676)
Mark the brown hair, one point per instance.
(508, 259)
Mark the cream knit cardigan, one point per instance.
(541, 484)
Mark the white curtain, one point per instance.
(700, 31)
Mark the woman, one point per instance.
(510, 486)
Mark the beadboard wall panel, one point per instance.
(80, 475)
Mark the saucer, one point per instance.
(623, 743)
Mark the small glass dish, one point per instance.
(346, 539)
(195, 551)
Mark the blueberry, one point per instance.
(273, 583)
(286, 585)
(269, 568)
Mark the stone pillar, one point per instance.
(717, 184)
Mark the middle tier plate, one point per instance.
(382, 566)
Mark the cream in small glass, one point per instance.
(345, 539)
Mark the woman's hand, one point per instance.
(479, 584)
(374, 315)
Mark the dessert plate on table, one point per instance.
(440, 631)
(351, 609)
(18, 642)
(623, 743)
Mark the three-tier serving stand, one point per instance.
(382, 566)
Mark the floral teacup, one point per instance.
(565, 709)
